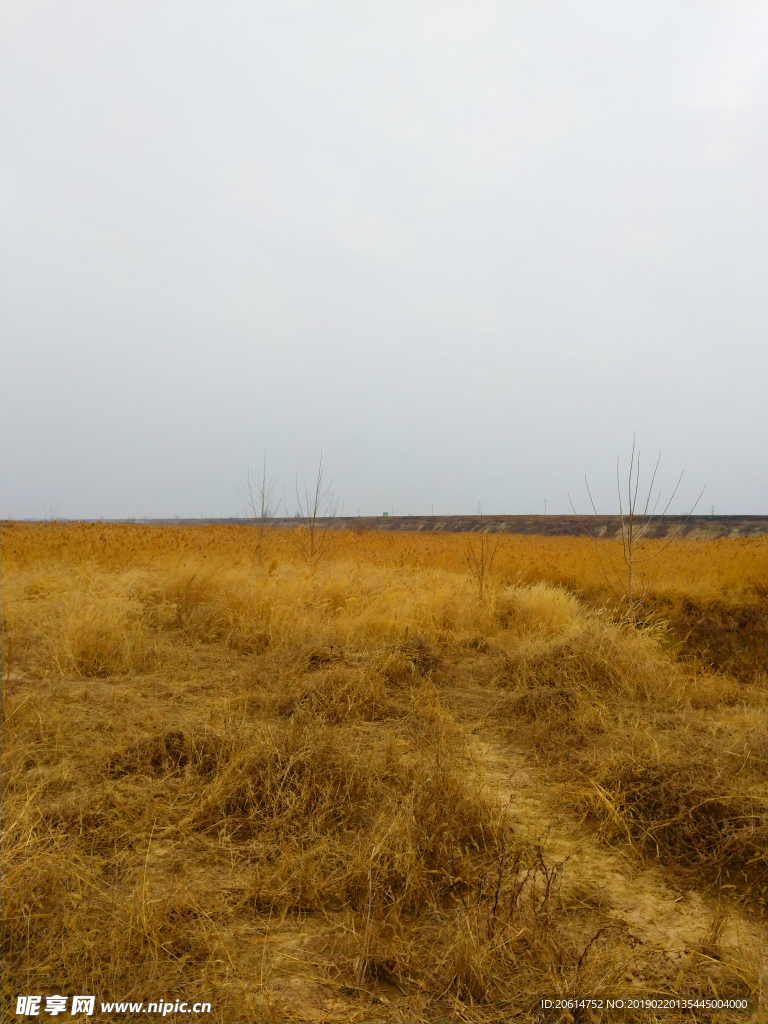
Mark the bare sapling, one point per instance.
(481, 553)
(625, 559)
(318, 508)
(260, 504)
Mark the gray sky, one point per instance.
(464, 248)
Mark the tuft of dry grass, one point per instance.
(689, 788)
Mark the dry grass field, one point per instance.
(356, 791)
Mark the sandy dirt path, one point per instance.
(678, 922)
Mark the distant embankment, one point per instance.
(694, 527)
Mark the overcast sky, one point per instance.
(466, 249)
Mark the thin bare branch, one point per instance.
(635, 531)
(650, 486)
(675, 492)
(595, 540)
(259, 504)
(318, 507)
(671, 539)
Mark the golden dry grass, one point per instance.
(727, 569)
(228, 778)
